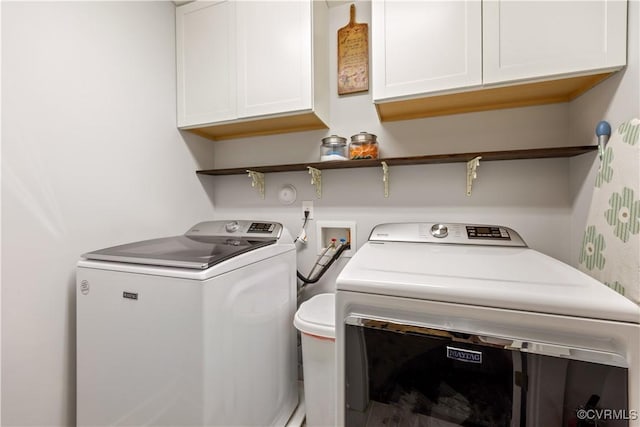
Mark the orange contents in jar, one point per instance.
(363, 151)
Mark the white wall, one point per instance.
(532, 196)
(616, 100)
(90, 158)
(0, 236)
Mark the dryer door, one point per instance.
(423, 376)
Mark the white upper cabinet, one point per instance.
(206, 62)
(425, 46)
(252, 67)
(274, 80)
(538, 39)
(446, 57)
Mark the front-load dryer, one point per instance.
(191, 330)
(464, 325)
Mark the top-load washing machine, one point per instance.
(191, 330)
(464, 325)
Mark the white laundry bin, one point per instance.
(315, 319)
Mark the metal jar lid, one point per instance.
(334, 140)
(364, 137)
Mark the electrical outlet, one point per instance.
(307, 205)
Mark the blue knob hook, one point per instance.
(603, 128)
(603, 132)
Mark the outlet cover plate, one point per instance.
(307, 205)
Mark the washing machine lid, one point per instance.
(196, 252)
(202, 246)
(509, 277)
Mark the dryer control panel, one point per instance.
(487, 232)
(448, 233)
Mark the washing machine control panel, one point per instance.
(451, 233)
(261, 227)
(253, 230)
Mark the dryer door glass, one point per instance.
(416, 376)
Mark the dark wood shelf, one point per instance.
(535, 153)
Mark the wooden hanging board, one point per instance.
(353, 56)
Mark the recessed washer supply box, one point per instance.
(327, 230)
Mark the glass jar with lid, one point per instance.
(333, 147)
(363, 146)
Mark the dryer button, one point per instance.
(439, 230)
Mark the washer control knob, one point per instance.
(439, 230)
(232, 226)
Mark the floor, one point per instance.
(298, 417)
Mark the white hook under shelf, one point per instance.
(472, 166)
(257, 181)
(385, 178)
(316, 179)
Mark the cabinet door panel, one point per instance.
(534, 39)
(206, 64)
(274, 57)
(420, 47)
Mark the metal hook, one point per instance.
(257, 180)
(316, 179)
(385, 178)
(472, 166)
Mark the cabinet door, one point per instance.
(425, 46)
(535, 39)
(206, 63)
(274, 57)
